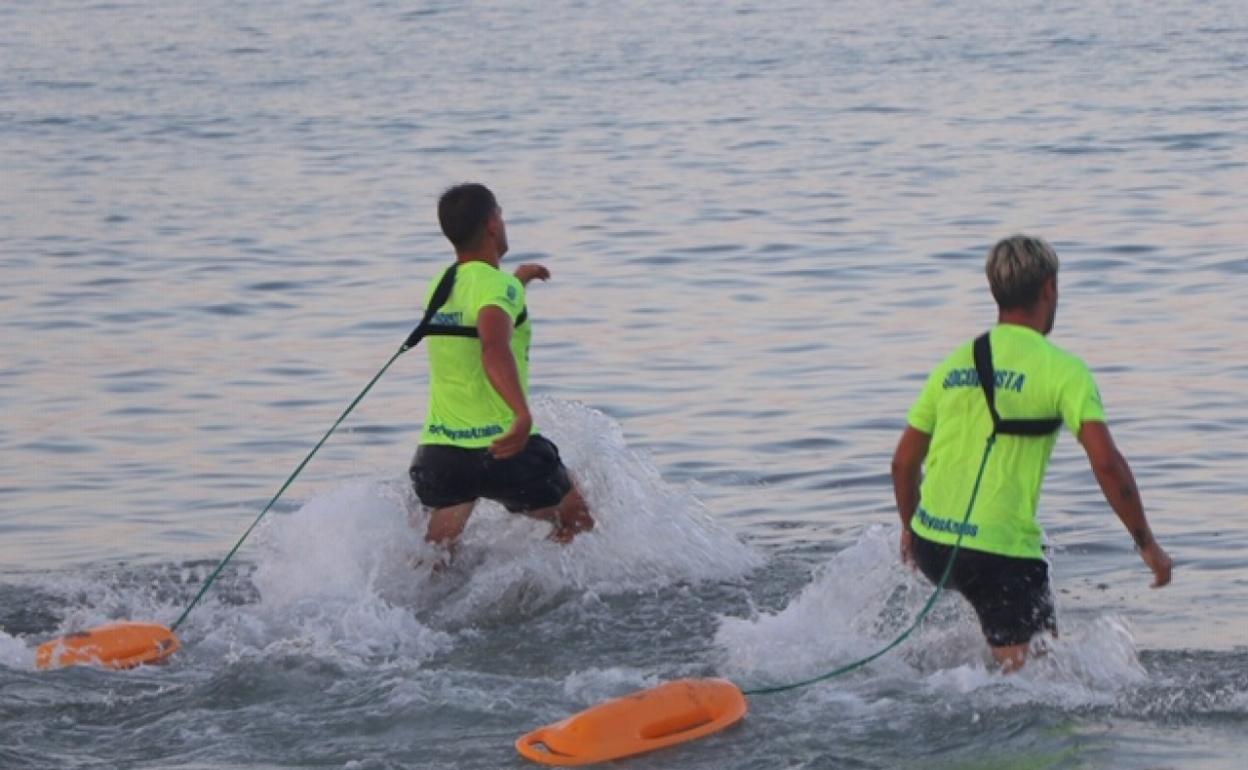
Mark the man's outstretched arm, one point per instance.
(530, 270)
(1118, 485)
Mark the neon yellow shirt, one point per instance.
(464, 409)
(1035, 379)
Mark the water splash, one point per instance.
(650, 533)
(863, 598)
(596, 685)
(348, 579)
(350, 574)
(851, 604)
(14, 653)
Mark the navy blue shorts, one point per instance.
(449, 475)
(1010, 595)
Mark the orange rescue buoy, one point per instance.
(115, 645)
(671, 713)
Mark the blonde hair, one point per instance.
(1017, 268)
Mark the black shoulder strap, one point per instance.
(442, 293)
(988, 382)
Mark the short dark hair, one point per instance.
(463, 211)
(1017, 268)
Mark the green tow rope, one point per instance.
(289, 480)
(931, 602)
(441, 293)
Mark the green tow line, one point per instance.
(441, 293)
(927, 608)
(437, 300)
(289, 480)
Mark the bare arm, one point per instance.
(907, 470)
(530, 270)
(494, 330)
(1118, 485)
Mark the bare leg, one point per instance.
(570, 517)
(447, 524)
(1010, 657)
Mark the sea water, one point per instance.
(765, 223)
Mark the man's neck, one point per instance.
(487, 256)
(1031, 318)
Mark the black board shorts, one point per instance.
(444, 475)
(1010, 595)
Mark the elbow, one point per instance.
(1104, 468)
(1111, 466)
(492, 354)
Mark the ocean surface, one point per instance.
(765, 222)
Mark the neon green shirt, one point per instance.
(464, 409)
(1034, 380)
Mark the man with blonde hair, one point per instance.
(1014, 386)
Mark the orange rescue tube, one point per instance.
(671, 713)
(115, 645)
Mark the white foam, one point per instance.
(348, 576)
(837, 618)
(97, 598)
(863, 598)
(348, 580)
(1090, 664)
(323, 575)
(596, 685)
(649, 533)
(15, 654)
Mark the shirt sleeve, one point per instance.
(1079, 400)
(922, 414)
(505, 293)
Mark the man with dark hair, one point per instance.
(1028, 389)
(479, 439)
(463, 212)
